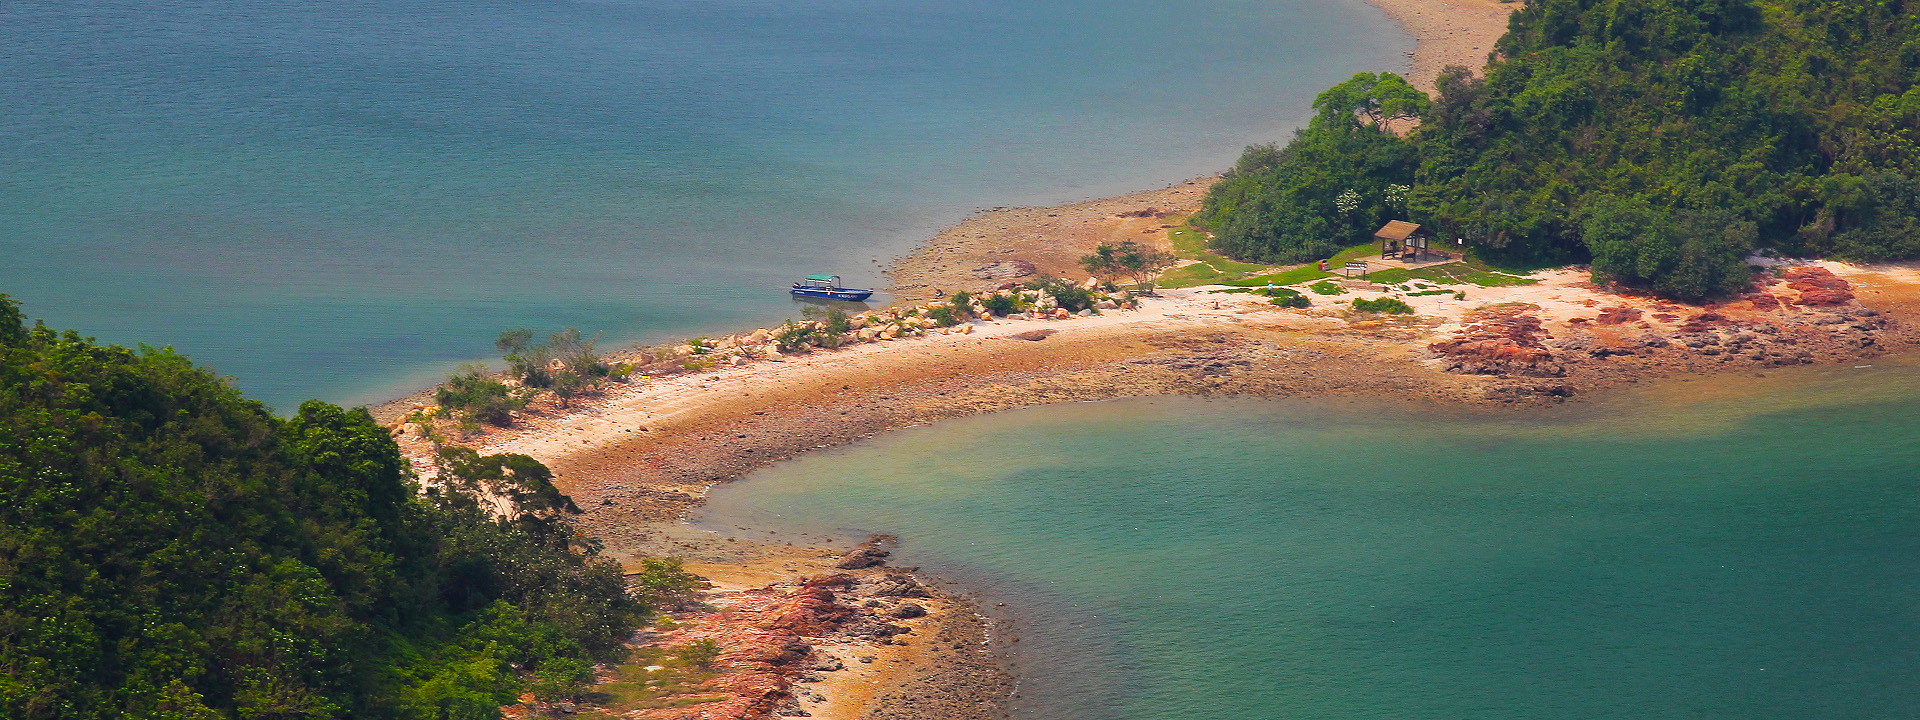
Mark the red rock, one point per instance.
(1818, 287)
(1618, 315)
(1501, 341)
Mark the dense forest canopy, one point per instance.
(1662, 140)
(170, 549)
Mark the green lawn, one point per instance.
(1454, 273)
(1212, 269)
(1191, 244)
(1304, 273)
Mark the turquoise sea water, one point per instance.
(1737, 548)
(343, 199)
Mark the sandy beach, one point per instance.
(1448, 32)
(810, 630)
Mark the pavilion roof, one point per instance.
(1397, 230)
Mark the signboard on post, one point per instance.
(1360, 266)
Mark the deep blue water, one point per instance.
(344, 199)
(1736, 548)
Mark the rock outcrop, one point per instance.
(872, 553)
(1500, 341)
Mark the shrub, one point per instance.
(943, 316)
(1383, 305)
(526, 361)
(1066, 294)
(531, 363)
(831, 325)
(962, 303)
(1327, 287)
(1287, 297)
(664, 583)
(478, 397)
(792, 335)
(1001, 303)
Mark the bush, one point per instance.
(962, 303)
(477, 397)
(531, 363)
(1065, 294)
(1001, 303)
(664, 583)
(1383, 305)
(1286, 297)
(943, 316)
(1327, 287)
(830, 325)
(793, 335)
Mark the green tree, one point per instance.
(1691, 255)
(1327, 189)
(1373, 99)
(174, 550)
(1726, 125)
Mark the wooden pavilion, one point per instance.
(1402, 240)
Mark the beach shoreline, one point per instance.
(1448, 32)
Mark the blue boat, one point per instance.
(827, 287)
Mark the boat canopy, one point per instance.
(822, 277)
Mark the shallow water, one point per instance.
(344, 199)
(1739, 547)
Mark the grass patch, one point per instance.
(1453, 273)
(1281, 296)
(1327, 287)
(1425, 293)
(675, 685)
(1210, 269)
(1389, 276)
(1304, 273)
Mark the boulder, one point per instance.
(899, 585)
(871, 553)
(908, 611)
(1005, 269)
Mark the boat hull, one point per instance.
(850, 294)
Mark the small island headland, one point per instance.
(817, 629)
